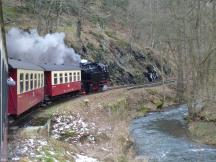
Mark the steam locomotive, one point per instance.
(95, 76)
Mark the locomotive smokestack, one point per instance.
(31, 47)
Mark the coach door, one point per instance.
(3, 93)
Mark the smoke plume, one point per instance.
(31, 47)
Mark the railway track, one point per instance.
(24, 119)
(151, 84)
(135, 86)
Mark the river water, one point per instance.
(163, 137)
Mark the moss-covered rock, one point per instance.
(158, 103)
(143, 109)
(152, 91)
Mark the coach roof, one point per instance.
(51, 67)
(18, 64)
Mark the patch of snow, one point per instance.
(105, 149)
(73, 128)
(25, 148)
(81, 158)
(16, 159)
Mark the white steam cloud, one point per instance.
(31, 47)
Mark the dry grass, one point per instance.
(113, 111)
(204, 132)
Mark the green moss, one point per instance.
(152, 91)
(40, 121)
(48, 159)
(122, 43)
(119, 106)
(53, 153)
(122, 158)
(67, 134)
(138, 76)
(113, 107)
(143, 109)
(67, 28)
(10, 12)
(158, 103)
(90, 46)
(204, 131)
(96, 19)
(111, 35)
(98, 36)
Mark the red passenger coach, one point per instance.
(61, 79)
(29, 89)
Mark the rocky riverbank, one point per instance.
(89, 128)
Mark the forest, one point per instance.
(178, 37)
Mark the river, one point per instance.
(163, 137)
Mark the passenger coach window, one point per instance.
(41, 80)
(38, 80)
(35, 81)
(21, 83)
(66, 77)
(70, 77)
(26, 82)
(31, 81)
(74, 75)
(61, 77)
(78, 76)
(55, 78)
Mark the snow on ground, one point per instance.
(38, 150)
(73, 128)
(67, 127)
(81, 158)
(26, 148)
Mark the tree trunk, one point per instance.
(180, 73)
(79, 28)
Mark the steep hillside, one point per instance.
(109, 45)
(126, 64)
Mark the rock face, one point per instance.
(126, 64)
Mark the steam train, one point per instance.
(35, 83)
